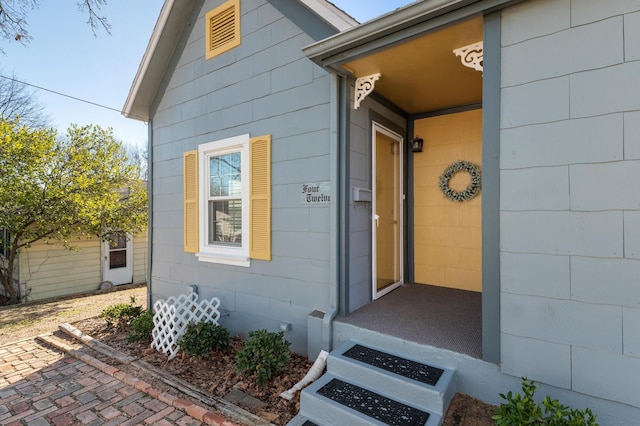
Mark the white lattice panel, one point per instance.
(172, 316)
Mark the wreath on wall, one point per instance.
(474, 186)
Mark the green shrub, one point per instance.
(203, 337)
(121, 315)
(141, 327)
(523, 410)
(264, 353)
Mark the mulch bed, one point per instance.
(467, 411)
(216, 375)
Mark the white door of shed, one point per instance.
(117, 259)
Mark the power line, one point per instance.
(67, 96)
(61, 94)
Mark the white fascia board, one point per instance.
(381, 26)
(330, 13)
(146, 59)
(327, 11)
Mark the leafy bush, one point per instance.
(121, 315)
(141, 327)
(264, 353)
(203, 337)
(523, 410)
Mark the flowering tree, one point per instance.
(59, 189)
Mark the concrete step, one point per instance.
(332, 400)
(411, 381)
(368, 385)
(301, 420)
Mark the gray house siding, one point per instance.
(264, 86)
(359, 291)
(566, 101)
(569, 226)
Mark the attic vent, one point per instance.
(222, 28)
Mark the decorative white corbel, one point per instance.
(471, 55)
(364, 86)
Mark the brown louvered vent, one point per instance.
(223, 28)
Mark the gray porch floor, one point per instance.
(442, 317)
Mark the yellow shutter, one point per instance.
(191, 244)
(260, 197)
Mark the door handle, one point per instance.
(377, 219)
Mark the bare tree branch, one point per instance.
(17, 100)
(139, 157)
(13, 24)
(14, 13)
(95, 21)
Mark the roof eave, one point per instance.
(392, 22)
(162, 44)
(333, 15)
(396, 26)
(165, 37)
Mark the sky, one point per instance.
(64, 56)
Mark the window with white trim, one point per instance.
(227, 200)
(224, 201)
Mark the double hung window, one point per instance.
(227, 187)
(224, 206)
(224, 221)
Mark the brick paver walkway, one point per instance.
(40, 385)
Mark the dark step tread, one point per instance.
(374, 405)
(414, 370)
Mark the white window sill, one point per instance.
(226, 259)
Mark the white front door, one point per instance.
(387, 210)
(117, 259)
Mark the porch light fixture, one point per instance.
(416, 144)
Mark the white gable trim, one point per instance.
(146, 59)
(165, 36)
(330, 13)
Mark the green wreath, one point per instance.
(471, 191)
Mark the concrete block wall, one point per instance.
(570, 208)
(264, 86)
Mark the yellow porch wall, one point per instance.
(447, 233)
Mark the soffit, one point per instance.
(424, 74)
(169, 27)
